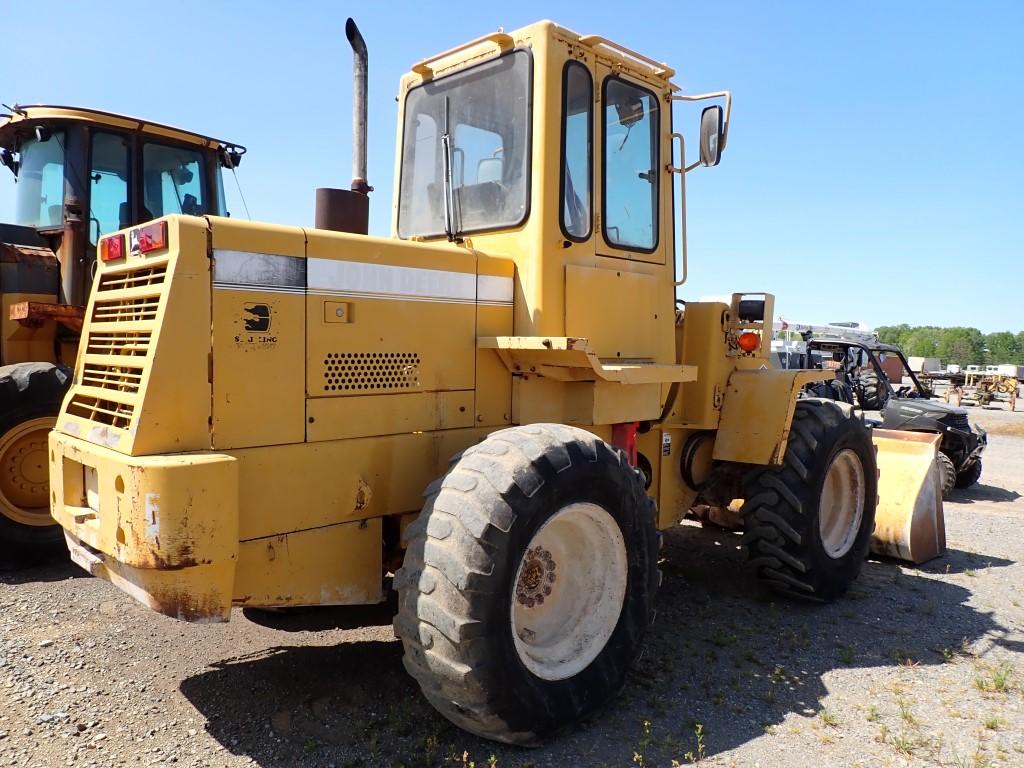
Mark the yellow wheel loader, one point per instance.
(79, 174)
(494, 411)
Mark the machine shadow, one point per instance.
(21, 568)
(722, 653)
(982, 492)
(319, 619)
(962, 561)
(334, 701)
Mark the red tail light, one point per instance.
(749, 341)
(112, 248)
(151, 237)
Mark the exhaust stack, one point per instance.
(359, 98)
(344, 210)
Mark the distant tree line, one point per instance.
(961, 346)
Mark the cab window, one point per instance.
(631, 175)
(577, 151)
(486, 111)
(109, 208)
(39, 193)
(172, 181)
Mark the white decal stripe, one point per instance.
(243, 271)
(389, 280)
(493, 290)
(388, 296)
(251, 268)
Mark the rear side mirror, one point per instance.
(711, 126)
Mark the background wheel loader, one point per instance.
(493, 411)
(79, 174)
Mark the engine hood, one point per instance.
(913, 407)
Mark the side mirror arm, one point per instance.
(727, 95)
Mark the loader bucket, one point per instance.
(909, 524)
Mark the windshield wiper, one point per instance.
(451, 225)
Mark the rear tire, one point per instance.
(528, 582)
(808, 522)
(30, 398)
(872, 392)
(969, 476)
(947, 473)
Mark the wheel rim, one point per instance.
(568, 592)
(842, 503)
(24, 473)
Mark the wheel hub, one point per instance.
(536, 577)
(569, 591)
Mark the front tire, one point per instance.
(30, 398)
(969, 476)
(947, 473)
(528, 582)
(808, 522)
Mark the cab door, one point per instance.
(630, 170)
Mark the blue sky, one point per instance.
(874, 171)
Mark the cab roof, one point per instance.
(13, 124)
(486, 46)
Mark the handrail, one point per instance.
(423, 67)
(681, 170)
(659, 68)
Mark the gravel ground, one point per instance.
(916, 667)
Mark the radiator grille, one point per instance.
(121, 378)
(125, 309)
(127, 343)
(102, 411)
(117, 345)
(371, 371)
(135, 279)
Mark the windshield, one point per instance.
(39, 193)
(488, 123)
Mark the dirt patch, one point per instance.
(1013, 429)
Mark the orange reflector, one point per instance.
(112, 248)
(151, 237)
(749, 341)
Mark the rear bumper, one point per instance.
(162, 528)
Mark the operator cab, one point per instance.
(558, 151)
(485, 137)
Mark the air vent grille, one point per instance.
(359, 372)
